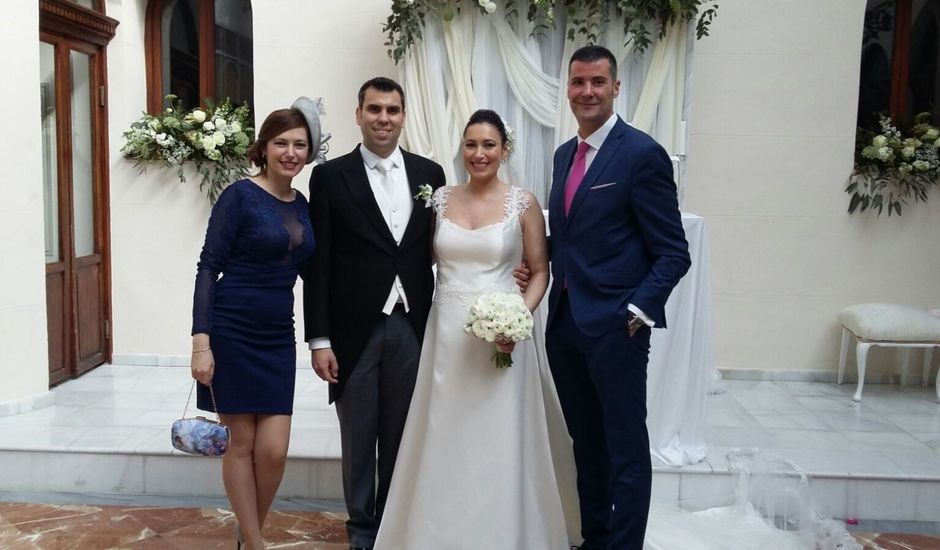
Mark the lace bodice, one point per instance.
(473, 261)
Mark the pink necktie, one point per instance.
(576, 174)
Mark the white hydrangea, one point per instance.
(208, 126)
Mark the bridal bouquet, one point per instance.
(500, 317)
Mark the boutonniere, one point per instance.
(424, 194)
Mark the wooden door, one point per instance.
(75, 195)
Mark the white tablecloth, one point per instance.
(681, 360)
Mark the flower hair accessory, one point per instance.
(510, 137)
(312, 109)
(424, 194)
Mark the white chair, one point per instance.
(888, 325)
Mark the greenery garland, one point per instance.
(892, 166)
(216, 138)
(586, 17)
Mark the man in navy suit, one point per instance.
(617, 251)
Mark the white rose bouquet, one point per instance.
(500, 317)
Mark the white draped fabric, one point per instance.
(487, 63)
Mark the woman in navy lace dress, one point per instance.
(258, 237)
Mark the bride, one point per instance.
(476, 467)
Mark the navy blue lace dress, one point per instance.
(258, 244)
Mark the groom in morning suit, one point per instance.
(368, 293)
(617, 250)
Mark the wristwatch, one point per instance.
(634, 323)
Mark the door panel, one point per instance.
(82, 145)
(91, 335)
(87, 301)
(75, 205)
(55, 324)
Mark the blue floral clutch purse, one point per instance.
(199, 435)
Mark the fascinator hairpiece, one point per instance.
(312, 109)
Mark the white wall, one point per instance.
(317, 48)
(771, 142)
(24, 369)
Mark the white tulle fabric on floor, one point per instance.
(771, 508)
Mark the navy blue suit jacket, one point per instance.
(623, 240)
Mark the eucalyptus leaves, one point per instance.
(585, 17)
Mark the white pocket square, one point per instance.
(601, 186)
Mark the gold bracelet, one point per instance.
(201, 350)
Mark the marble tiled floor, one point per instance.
(893, 433)
(98, 527)
(895, 430)
(121, 408)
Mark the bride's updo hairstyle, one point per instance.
(486, 116)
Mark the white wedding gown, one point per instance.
(485, 460)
